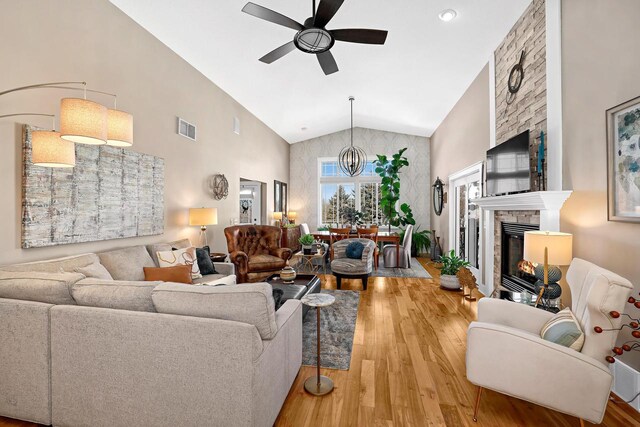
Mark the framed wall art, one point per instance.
(623, 161)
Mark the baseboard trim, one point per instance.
(626, 383)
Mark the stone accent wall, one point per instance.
(528, 108)
(514, 217)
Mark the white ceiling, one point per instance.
(407, 86)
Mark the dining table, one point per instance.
(383, 236)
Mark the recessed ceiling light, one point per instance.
(447, 15)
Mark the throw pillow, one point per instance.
(277, 298)
(177, 274)
(204, 261)
(95, 271)
(564, 329)
(354, 250)
(185, 256)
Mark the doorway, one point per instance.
(465, 221)
(251, 202)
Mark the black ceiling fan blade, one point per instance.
(327, 62)
(271, 16)
(278, 53)
(326, 10)
(359, 35)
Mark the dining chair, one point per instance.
(389, 251)
(371, 233)
(337, 234)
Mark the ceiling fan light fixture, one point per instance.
(314, 40)
(447, 15)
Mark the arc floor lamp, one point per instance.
(81, 121)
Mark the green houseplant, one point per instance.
(307, 243)
(450, 264)
(389, 171)
(420, 240)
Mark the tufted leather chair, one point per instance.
(255, 251)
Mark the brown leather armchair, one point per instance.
(255, 251)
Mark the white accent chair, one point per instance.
(506, 354)
(389, 251)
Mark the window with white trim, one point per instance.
(339, 191)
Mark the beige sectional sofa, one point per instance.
(80, 351)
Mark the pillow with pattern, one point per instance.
(564, 329)
(185, 256)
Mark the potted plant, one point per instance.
(450, 265)
(307, 243)
(389, 170)
(420, 241)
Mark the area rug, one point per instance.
(416, 271)
(337, 327)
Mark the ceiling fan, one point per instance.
(313, 37)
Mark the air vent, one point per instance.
(186, 129)
(236, 126)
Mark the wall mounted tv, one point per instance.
(508, 167)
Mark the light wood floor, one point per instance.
(408, 369)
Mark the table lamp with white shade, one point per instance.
(548, 248)
(203, 217)
(292, 216)
(277, 216)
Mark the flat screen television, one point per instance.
(508, 167)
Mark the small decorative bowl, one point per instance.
(288, 274)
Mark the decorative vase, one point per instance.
(450, 283)
(288, 274)
(436, 249)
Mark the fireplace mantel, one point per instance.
(548, 203)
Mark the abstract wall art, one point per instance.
(111, 193)
(623, 141)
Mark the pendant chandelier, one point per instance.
(352, 160)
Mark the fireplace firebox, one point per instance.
(513, 276)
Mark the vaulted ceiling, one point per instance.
(407, 86)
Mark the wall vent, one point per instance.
(186, 129)
(236, 126)
(625, 382)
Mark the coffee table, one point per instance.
(304, 284)
(318, 385)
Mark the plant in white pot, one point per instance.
(450, 265)
(307, 243)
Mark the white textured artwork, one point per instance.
(111, 193)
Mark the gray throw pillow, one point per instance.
(95, 271)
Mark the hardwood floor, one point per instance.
(408, 368)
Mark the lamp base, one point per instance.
(203, 237)
(546, 294)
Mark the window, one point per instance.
(338, 191)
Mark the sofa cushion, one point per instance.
(127, 263)
(95, 270)
(181, 244)
(185, 256)
(121, 295)
(56, 265)
(50, 288)
(155, 248)
(265, 263)
(176, 274)
(217, 280)
(247, 303)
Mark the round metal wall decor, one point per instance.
(219, 186)
(438, 196)
(516, 76)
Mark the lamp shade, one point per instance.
(83, 121)
(49, 150)
(120, 128)
(203, 216)
(277, 216)
(292, 215)
(559, 247)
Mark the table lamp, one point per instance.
(548, 248)
(291, 216)
(203, 217)
(278, 217)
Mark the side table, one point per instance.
(306, 262)
(318, 385)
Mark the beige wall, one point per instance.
(92, 40)
(600, 64)
(461, 140)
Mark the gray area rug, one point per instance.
(337, 327)
(416, 270)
